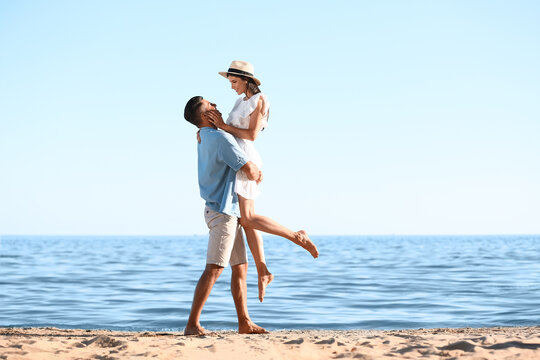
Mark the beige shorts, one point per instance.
(226, 242)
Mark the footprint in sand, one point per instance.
(103, 341)
(510, 344)
(326, 342)
(294, 342)
(460, 345)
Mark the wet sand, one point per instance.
(469, 343)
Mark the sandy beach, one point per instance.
(468, 343)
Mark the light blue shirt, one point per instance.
(219, 158)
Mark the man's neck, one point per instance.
(205, 123)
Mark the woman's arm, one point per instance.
(252, 172)
(255, 123)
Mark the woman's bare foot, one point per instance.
(303, 240)
(194, 330)
(251, 328)
(264, 281)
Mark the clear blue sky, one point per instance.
(388, 117)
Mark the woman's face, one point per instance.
(238, 84)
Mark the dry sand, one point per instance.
(488, 343)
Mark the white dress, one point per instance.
(239, 117)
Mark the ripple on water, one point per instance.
(369, 282)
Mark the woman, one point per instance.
(248, 116)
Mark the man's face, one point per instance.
(207, 106)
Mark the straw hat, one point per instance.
(241, 68)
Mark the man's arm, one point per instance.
(252, 172)
(234, 156)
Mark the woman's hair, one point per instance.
(252, 87)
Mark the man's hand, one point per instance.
(214, 116)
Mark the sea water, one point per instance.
(358, 282)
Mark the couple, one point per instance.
(229, 175)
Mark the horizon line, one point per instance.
(206, 234)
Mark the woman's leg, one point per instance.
(255, 243)
(251, 220)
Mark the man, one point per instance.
(219, 158)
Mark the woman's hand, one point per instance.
(214, 116)
(263, 103)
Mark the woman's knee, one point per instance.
(248, 220)
(245, 221)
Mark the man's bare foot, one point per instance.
(251, 328)
(303, 240)
(264, 281)
(194, 330)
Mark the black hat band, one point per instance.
(240, 72)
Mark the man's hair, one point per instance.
(192, 111)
